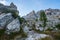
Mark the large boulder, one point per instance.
(14, 26)
(5, 19)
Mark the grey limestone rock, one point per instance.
(5, 19)
(14, 26)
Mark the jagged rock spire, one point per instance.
(1, 5)
(32, 12)
(12, 5)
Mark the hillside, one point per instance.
(29, 27)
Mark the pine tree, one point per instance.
(43, 18)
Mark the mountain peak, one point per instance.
(12, 5)
(31, 13)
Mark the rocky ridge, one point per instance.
(10, 23)
(53, 16)
(9, 18)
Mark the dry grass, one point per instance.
(46, 38)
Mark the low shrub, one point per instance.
(2, 32)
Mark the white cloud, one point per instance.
(3, 2)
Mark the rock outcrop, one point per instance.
(7, 19)
(31, 16)
(14, 26)
(11, 8)
(53, 18)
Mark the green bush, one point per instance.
(2, 32)
(21, 19)
(15, 15)
(57, 26)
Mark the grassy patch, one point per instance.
(47, 32)
(46, 38)
(56, 36)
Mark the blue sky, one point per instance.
(26, 6)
